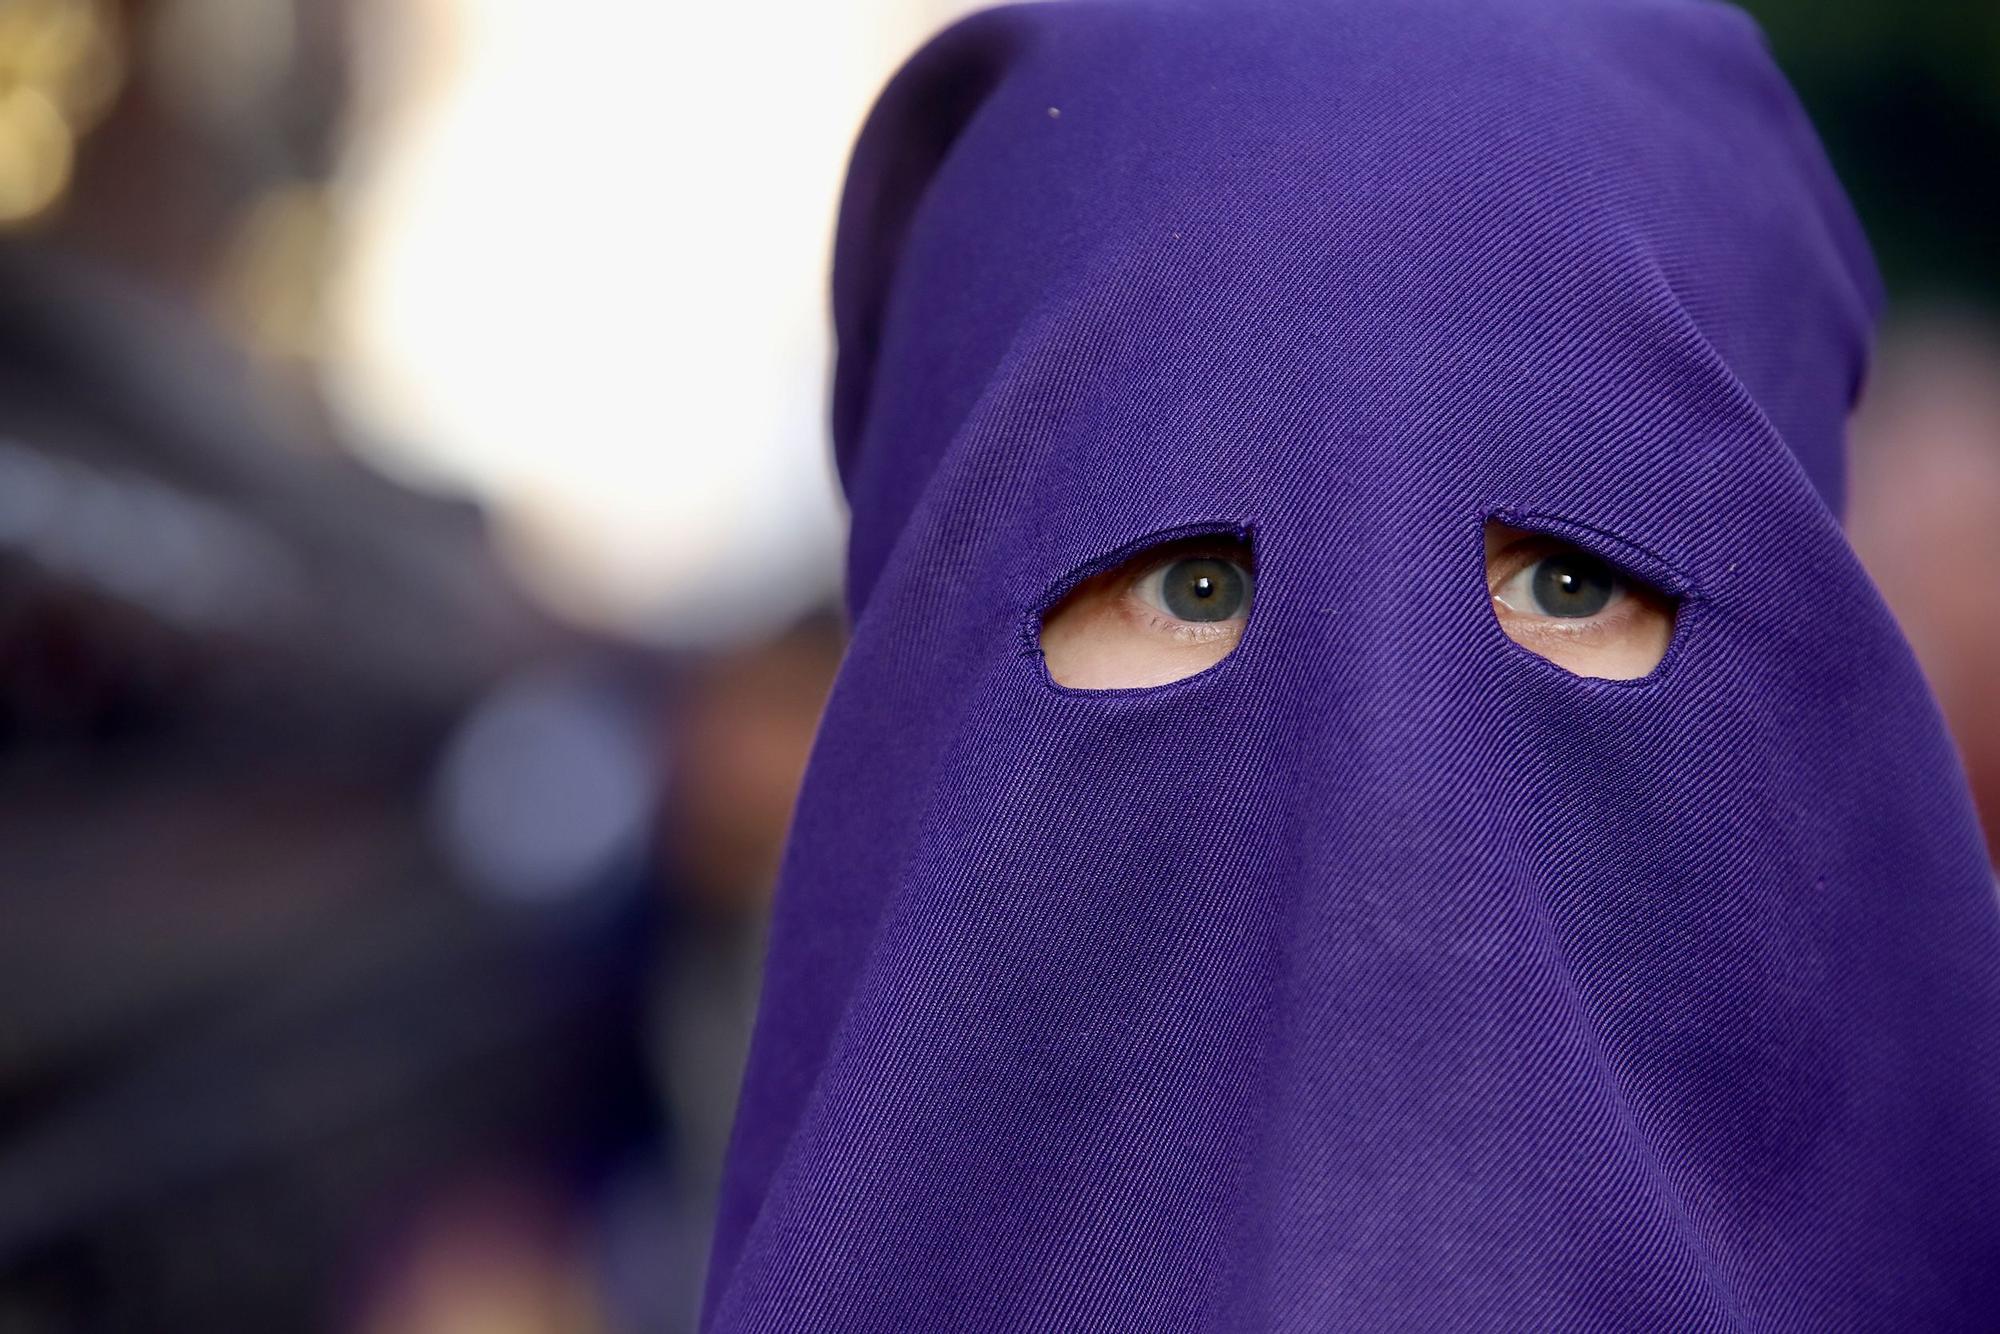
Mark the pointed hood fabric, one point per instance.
(1385, 975)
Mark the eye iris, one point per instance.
(1203, 589)
(1572, 585)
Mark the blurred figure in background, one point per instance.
(743, 727)
(564, 793)
(1927, 522)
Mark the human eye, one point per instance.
(1201, 587)
(1574, 608)
(1168, 612)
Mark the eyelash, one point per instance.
(1152, 620)
(1513, 563)
(1187, 632)
(1520, 560)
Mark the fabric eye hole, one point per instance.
(1574, 607)
(1150, 615)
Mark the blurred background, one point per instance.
(417, 593)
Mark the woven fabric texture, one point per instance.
(1384, 976)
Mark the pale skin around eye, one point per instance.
(1120, 629)
(1627, 626)
(1117, 629)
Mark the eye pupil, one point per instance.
(1572, 585)
(1203, 589)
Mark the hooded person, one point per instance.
(1432, 949)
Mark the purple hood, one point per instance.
(1384, 976)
